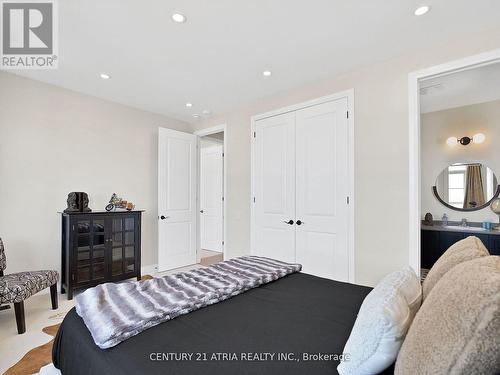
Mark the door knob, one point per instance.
(289, 222)
(201, 211)
(299, 222)
(164, 217)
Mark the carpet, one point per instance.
(36, 358)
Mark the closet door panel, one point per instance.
(322, 185)
(275, 187)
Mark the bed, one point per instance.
(294, 315)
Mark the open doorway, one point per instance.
(460, 160)
(181, 227)
(211, 195)
(453, 156)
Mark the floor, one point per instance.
(209, 257)
(39, 314)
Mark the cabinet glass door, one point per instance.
(90, 250)
(123, 245)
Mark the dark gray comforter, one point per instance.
(297, 314)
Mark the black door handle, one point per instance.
(289, 222)
(164, 217)
(299, 222)
(201, 211)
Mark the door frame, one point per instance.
(414, 78)
(349, 94)
(203, 133)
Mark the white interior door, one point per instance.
(322, 183)
(274, 187)
(211, 193)
(177, 212)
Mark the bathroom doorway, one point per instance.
(454, 164)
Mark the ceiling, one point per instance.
(468, 87)
(215, 60)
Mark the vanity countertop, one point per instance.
(457, 228)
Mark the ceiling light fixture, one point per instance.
(452, 141)
(196, 115)
(179, 18)
(478, 138)
(267, 73)
(206, 112)
(420, 11)
(189, 105)
(105, 76)
(464, 141)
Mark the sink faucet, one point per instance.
(464, 223)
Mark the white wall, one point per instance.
(437, 127)
(381, 154)
(54, 141)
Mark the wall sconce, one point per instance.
(464, 141)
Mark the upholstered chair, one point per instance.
(17, 287)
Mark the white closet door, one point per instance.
(176, 199)
(322, 187)
(274, 187)
(211, 192)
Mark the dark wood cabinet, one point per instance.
(494, 245)
(99, 247)
(435, 242)
(432, 252)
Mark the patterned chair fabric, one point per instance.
(3, 261)
(17, 287)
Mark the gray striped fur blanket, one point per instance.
(115, 312)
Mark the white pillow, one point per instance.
(381, 325)
(408, 284)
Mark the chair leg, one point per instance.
(21, 323)
(53, 296)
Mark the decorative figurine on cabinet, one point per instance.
(78, 202)
(118, 203)
(428, 220)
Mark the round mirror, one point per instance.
(466, 186)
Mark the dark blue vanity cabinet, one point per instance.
(494, 245)
(434, 242)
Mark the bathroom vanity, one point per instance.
(436, 239)
(463, 187)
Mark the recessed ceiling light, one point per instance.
(105, 76)
(420, 11)
(189, 105)
(267, 73)
(196, 115)
(179, 18)
(206, 112)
